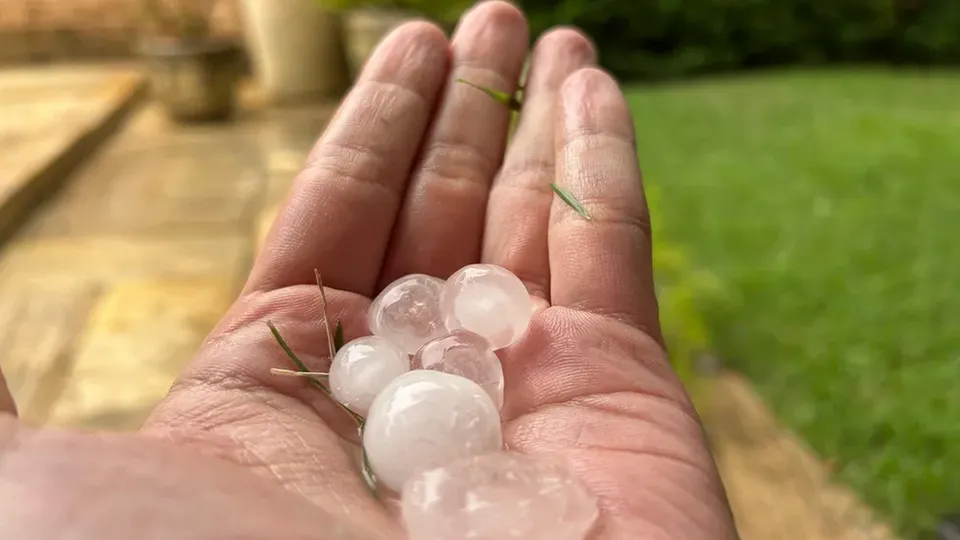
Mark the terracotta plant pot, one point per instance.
(297, 50)
(363, 30)
(195, 82)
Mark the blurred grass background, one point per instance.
(826, 203)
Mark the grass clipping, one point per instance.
(515, 103)
(319, 379)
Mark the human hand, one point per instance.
(411, 177)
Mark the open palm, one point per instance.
(411, 176)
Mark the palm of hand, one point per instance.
(588, 382)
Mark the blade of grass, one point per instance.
(303, 367)
(326, 318)
(510, 101)
(305, 374)
(571, 201)
(286, 348)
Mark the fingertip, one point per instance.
(499, 13)
(568, 42)
(591, 101)
(494, 30)
(414, 43)
(419, 32)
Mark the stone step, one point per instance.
(51, 119)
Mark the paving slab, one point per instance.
(138, 337)
(777, 486)
(111, 286)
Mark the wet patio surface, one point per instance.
(111, 286)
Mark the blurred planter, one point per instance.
(196, 81)
(364, 28)
(296, 49)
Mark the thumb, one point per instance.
(6, 399)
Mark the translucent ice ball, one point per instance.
(426, 419)
(362, 368)
(407, 312)
(498, 496)
(468, 355)
(487, 300)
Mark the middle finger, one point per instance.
(440, 226)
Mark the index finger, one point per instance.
(602, 265)
(342, 207)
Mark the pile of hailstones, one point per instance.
(430, 386)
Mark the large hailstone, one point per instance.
(426, 419)
(489, 301)
(465, 354)
(362, 368)
(498, 496)
(407, 312)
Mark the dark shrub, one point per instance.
(668, 38)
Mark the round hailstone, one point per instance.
(498, 496)
(407, 312)
(487, 300)
(362, 368)
(425, 419)
(465, 354)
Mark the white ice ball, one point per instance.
(426, 419)
(407, 312)
(487, 300)
(362, 368)
(465, 354)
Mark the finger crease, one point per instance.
(388, 90)
(474, 66)
(601, 215)
(592, 137)
(459, 161)
(533, 174)
(356, 163)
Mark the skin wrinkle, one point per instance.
(302, 301)
(651, 494)
(275, 420)
(263, 388)
(526, 174)
(367, 167)
(633, 365)
(459, 163)
(650, 435)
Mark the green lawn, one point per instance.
(829, 204)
